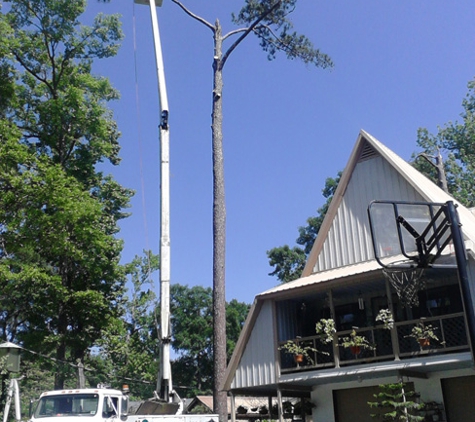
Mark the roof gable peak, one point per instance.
(367, 152)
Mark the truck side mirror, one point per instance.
(124, 408)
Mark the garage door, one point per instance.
(351, 405)
(459, 398)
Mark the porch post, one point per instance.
(336, 351)
(394, 336)
(233, 407)
(280, 411)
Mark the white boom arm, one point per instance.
(164, 381)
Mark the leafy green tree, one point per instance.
(456, 142)
(60, 277)
(269, 21)
(192, 320)
(59, 273)
(236, 313)
(129, 347)
(289, 262)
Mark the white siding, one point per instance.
(349, 238)
(257, 364)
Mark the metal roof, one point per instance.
(322, 277)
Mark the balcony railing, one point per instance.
(387, 344)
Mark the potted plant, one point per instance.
(303, 407)
(298, 350)
(241, 410)
(326, 328)
(356, 343)
(385, 316)
(423, 333)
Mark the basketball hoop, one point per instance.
(407, 282)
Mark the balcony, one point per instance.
(393, 344)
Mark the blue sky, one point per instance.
(399, 65)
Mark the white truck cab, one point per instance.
(89, 404)
(98, 405)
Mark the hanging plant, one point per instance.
(386, 318)
(424, 333)
(298, 350)
(326, 329)
(356, 343)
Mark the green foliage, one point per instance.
(192, 320)
(303, 407)
(308, 233)
(60, 277)
(396, 403)
(298, 348)
(385, 316)
(59, 104)
(200, 409)
(424, 333)
(326, 328)
(38, 377)
(355, 340)
(129, 347)
(289, 262)
(274, 29)
(58, 269)
(236, 313)
(455, 141)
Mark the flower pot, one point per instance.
(356, 350)
(424, 342)
(298, 358)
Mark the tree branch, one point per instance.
(292, 50)
(30, 71)
(196, 17)
(278, 43)
(231, 33)
(247, 31)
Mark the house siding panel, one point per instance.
(349, 239)
(257, 365)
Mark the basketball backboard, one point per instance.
(411, 234)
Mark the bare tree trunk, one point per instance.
(219, 234)
(59, 375)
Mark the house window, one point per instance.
(297, 317)
(348, 316)
(437, 301)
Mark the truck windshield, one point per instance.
(67, 405)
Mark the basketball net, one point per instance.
(407, 282)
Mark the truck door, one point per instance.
(110, 407)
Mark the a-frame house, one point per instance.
(344, 282)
